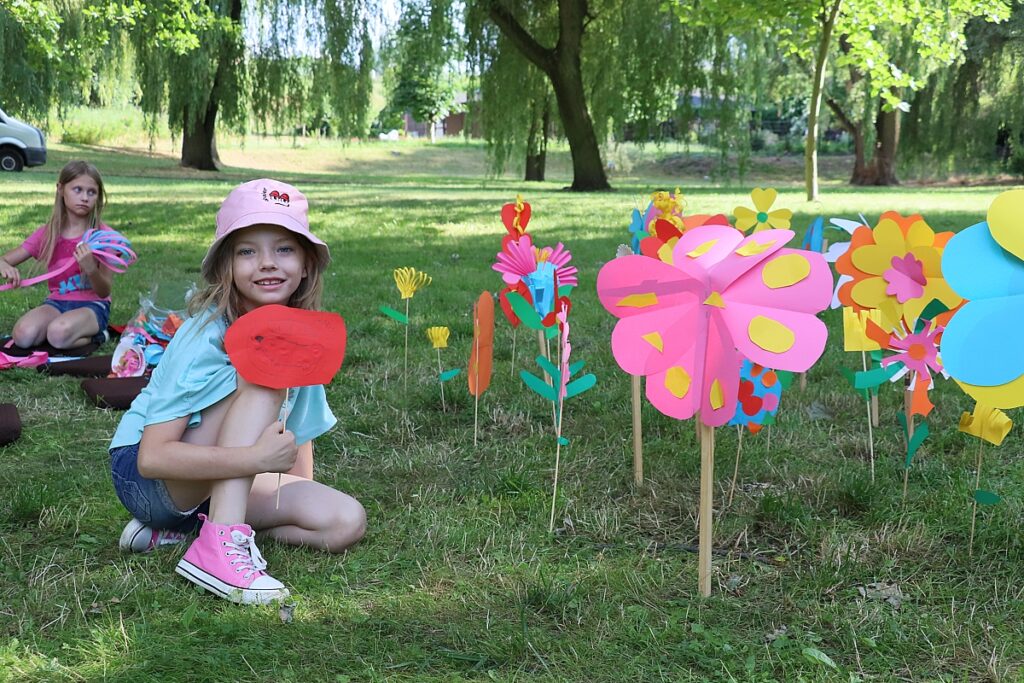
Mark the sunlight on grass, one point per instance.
(458, 578)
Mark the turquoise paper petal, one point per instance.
(976, 267)
(981, 344)
(449, 374)
(547, 366)
(539, 386)
(578, 386)
(986, 497)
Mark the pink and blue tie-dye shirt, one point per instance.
(72, 284)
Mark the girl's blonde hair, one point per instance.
(58, 218)
(222, 297)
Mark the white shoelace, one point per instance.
(248, 558)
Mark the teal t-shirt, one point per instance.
(194, 373)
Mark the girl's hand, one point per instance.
(86, 261)
(277, 448)
(9, 273)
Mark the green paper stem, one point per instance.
(396, 315)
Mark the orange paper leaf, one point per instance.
(482, 353)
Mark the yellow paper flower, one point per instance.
(410, 281)
(438, 336)
(761, 217)
(668, 206)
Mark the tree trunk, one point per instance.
(198, 141)
(828, 22)
(537, 143)
(561, 64)
(882, 169)
(587, 167)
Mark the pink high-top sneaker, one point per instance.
(224, 560)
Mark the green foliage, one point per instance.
(421, 56)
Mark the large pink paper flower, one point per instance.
(520, 258)
(686, 325)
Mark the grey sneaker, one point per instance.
(139, 538)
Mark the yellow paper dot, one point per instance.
(677, 381)
(785, 271)
(770, 335)
(638, 300)
(655, 340)
(702, 249)
(717, 395)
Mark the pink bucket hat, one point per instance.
(263, 202)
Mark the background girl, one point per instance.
(77, 309)
(201, 445)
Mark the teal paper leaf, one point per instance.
(564, 441)
(449, 374)
(539, 386)
(935, 307)
(524, 311)
(396, 315)
(547, 366)
(576, 367)
(873, 378)
(565, 290)
(920, 434)
(785, 378)
(578, 386)
(986, 497)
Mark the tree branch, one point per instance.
(844, 120)
(542, 57)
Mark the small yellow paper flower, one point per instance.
(410, 281)
(438, 336)
(761, 218)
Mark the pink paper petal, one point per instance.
(635, 339)
(808, 343)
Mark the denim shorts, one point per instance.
(100, 308)
(148, 499)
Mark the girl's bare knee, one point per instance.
(258, 392)
(345, 526)
(61, 333)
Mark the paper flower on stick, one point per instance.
(916, 352)
(759, 395)
(410, 281)
(520, 259)
(515, 217)
(897, 263)
(684, 326)
(482, 351)
(761, 217)
(438, 336)
(281, 347)
(981, 344)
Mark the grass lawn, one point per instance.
(458, 578)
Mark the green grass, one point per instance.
(458, 578)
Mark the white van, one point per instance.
(20, 144)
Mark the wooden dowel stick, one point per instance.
(638, 441)
(974, 507)
(707, 479)
(444, 408)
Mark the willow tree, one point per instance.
(580, 69)
(887, 50)
(972, 117)
(211, 81)
(55, 54)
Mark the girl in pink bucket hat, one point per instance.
(201, 447)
